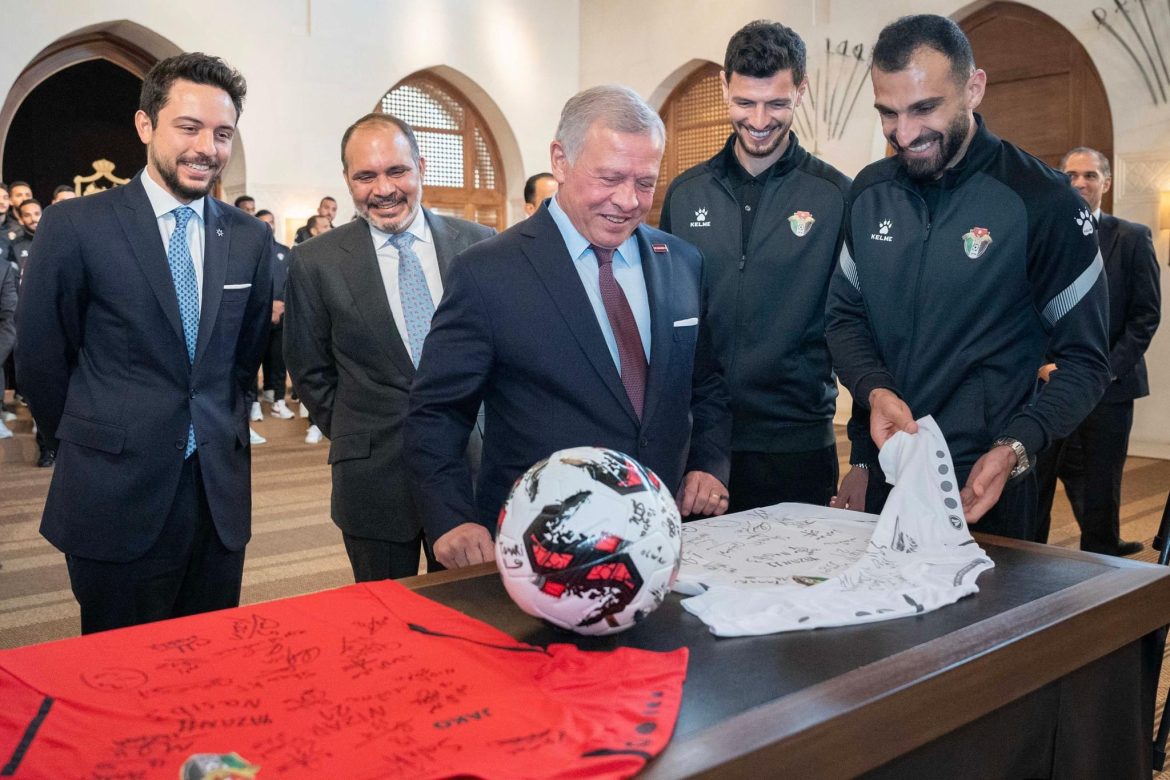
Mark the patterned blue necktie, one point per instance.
(417, 306)
(187, 289)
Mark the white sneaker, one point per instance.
(279, 409)
(257, 414)
(268, 396)
(313, 436)
(7, 434)
(304, 410)
(255, 438)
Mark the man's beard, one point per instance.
(743, 139)
(950, 142)
(170, 176)
(383, 224)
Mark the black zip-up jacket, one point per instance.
(765, 302)
(954, 311)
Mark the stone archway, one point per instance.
(128, 45)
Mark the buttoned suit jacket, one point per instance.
(516, 331)
(1131, 268)
(104, 367)
(351, 368)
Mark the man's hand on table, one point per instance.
(465, 545)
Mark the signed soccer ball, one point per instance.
(589, 540)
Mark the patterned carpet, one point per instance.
(296, 549)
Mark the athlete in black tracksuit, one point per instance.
(951, 292)
(770, 244)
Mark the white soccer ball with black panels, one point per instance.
(589, 540)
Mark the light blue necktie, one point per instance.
(417, 306)
(187, 289)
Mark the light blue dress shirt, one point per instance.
(627, 270)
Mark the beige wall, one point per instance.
(313, 66)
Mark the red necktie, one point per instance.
(625, 330)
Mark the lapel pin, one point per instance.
(219, 232)
(659, 248)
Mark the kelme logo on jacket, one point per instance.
(801, 222)
(700, 219)
(976, 241)
(1084, 220)
(883, 233)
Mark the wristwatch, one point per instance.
(1023, 462)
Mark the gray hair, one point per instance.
(618, 108)
(1102, 160)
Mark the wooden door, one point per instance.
(1043, 92)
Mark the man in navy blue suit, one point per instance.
(578, 326)
(142, 324)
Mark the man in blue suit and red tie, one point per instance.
(142, 325)
(578, 326)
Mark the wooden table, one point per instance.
(1049, 671)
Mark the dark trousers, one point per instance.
(378, 559)
(275, 375)
(1089, 462)
(186, 571)
(767, 478)
(1013, 516)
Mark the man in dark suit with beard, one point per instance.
(357, 310)
(141, 324)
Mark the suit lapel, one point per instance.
(444, 243)
(545, 250)
(216, 241)
(1107, 237)
(656, 269)
(359, 266)
(141, 228)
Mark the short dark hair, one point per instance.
(61, 188)
(377, 118)
(313, 219)
(29, 201)
(196, 67)
(4, 187)
(530, 187)
(243, 199)
(18, 183)
(762, 48)
(329, 198)
(265, 213)
(898, 41)
(1102, 160)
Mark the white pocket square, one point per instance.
(687, 322)
(237, 286)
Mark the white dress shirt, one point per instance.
(163, 203)
(627, 272)
(424, 247)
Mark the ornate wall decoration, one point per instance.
(89, 184)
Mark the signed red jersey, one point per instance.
(367, 681)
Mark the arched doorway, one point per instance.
(124, 46)
(1044, 93)
(76, 116)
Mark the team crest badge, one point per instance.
(801, 222)
(976, 241)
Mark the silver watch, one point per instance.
(1023, 462)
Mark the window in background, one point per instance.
(696, 128)
(464, 177)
